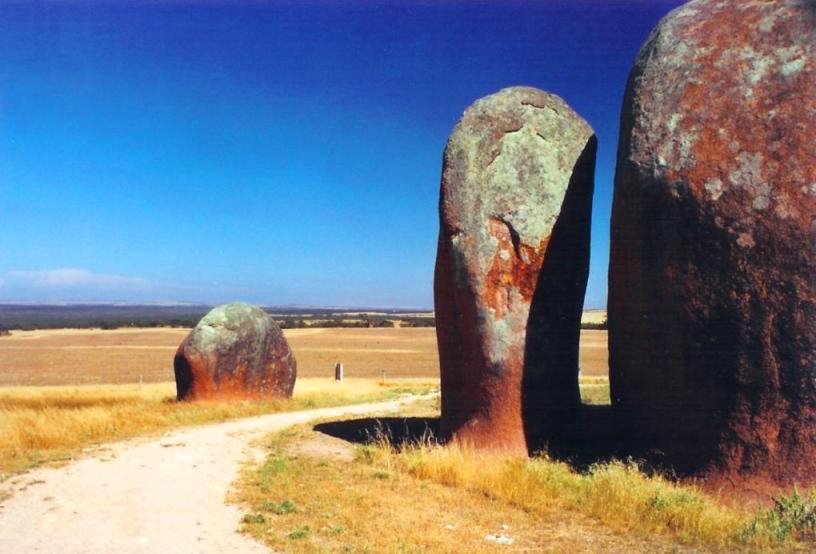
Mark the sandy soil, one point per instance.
(149, 495)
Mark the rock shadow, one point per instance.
(591, 435)
(398, 431)
(555, 420)
(587, 435)
(184, 377)
(550, 394)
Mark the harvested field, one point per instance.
(594, 357)
(88, 356)
(92, 356)
(594, 316)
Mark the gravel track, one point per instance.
(148, 495)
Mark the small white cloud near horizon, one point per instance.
(71, 277)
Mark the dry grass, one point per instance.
(74, 356)
(595, 391)
(299, 501)
(41, 424)
(306, 498)
(617, 494)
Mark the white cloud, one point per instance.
(68, 277)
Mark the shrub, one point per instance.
(792, 516)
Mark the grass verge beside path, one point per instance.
(433, 498)
(47, 424)
(307, 498)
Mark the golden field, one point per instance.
(92, 356)
(62, 390)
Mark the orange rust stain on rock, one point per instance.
(498, 426)
(709, 147)
(237, 385)
(515, 265)
(202, 386)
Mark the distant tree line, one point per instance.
(418, 321)
(32, 325)
(30, 317)
(285, 323)
(363, 321)
(27, 317)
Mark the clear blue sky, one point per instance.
(272, 152)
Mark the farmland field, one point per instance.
(92, 356)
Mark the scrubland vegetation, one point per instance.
(42, 424)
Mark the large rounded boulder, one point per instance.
(511, 266)
(712, 300)
(235, 351)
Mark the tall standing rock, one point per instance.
(512, 265)
(235, 351)
(712, 301)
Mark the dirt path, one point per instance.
(149, 495)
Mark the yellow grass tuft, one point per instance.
(618, 494)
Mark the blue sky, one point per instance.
(272, 152)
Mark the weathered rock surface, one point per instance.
(712, 301)
(512, 265)
(235, 351)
